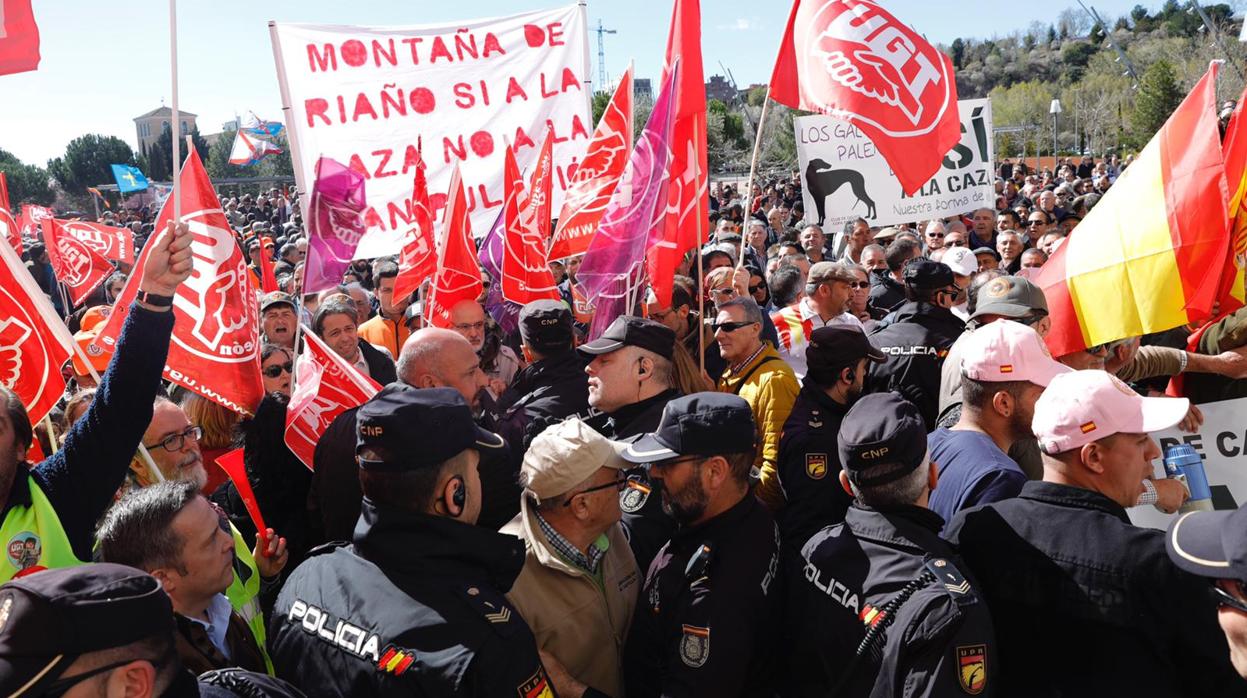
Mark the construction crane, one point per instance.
(602, 54)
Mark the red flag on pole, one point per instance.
(525, 276)
(596, 175)
(8, 222)
(233, 465)
(19, 37)
(268, 280)
(418, 260)
(215, 348)
(108, 242)
(458, 276)
(327, 386)
(34, 343)
(535, 212)
(853, 60)
(32, 218)
(75, 265)
(688, 208)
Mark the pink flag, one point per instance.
(596, 175)
(458, 277)
(418, 260)
(327, 387)
(613, 269)
(337, 224)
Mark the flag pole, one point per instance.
(753, 166)
(177, 145)
(47, 426)
(701, 334)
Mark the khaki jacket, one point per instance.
(771, 392)
(581, 619)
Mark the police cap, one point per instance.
(882, 429)
(410, 428)
(701, 424)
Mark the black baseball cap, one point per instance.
(882, 428)
(633, 331)
(923, 273)
(986, 250)
(417, 428)
(50, 618)
(546, 325)
(1210, 543)
(832, 348)
(701, 424)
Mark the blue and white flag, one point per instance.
(129, 178)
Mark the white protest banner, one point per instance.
(1222, 441)
(365, 96)
(844, 176)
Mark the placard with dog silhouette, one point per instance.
(844, 176)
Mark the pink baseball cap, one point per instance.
(1084, 406)
(1005, 350)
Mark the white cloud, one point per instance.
(740, 24)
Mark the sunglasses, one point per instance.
(729, 291)
(277, 369)
(860, 284)
(935, 235)
(1031, 224)
(730, 326)
(1225, 598)
(755, 289)
(1098, 350)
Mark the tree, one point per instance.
(28, 184)
(1158, 96)
(601, 98)
(1074, 57)
(756, 96)
(958, 49)
(1051, 35)
(160, 154)
(87, 161)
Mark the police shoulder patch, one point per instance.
(972, 668)
(695, 646)
(816, 465)
(535, 686)
(950, 578)
(492, 606)
(634, 496)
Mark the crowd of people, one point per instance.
(846, 456)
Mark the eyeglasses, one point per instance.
(174, 442)
(675, 461)
(730, 326)
(620, 485)
(470, 326)
(277, 369)
(1225, 598)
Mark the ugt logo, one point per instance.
(216, 297)
(859, 46)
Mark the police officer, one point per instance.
(916, 338)
(415, 606)
(706, 618)
(879, 605)
(836, 358)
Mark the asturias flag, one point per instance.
(129, 178)
(1147, 257)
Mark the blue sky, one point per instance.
(105, 63)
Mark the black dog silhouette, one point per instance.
(822, 182)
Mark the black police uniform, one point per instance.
(888, 569)
(916, 342)
(414, 608)
(1086, 604)
(809, 466)
(544, 393)
(644, 522)
(706, 619)
(886, 293)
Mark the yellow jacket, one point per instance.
(770, 391)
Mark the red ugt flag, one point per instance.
(596, 176)
(215, 348)
(19, 37)
(525, 276)
(458, 275)
(104, 240)
(418, 260)
(8, 223)
(34, 343)
(327, 387)
(75, 264)
(853, 60)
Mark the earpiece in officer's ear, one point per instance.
(459, 497)
(640, 367)
(850, 375)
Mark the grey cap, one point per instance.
(1010, 296)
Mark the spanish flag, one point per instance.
(1148, 256)
(1231, 293)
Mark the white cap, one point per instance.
(565, 455)
(1084, 406)
(961, 260)
(1005, 350)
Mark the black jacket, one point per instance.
(915, 339)
(809, 466)
(646, 525)
(335, 494)
(886, 293)
(415, 607)
(936, 639)
(706, 623)
(543, 393)
(380, 367)
(1086, 604)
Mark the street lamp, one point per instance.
(1054, 109)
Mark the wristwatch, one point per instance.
(153, 299)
